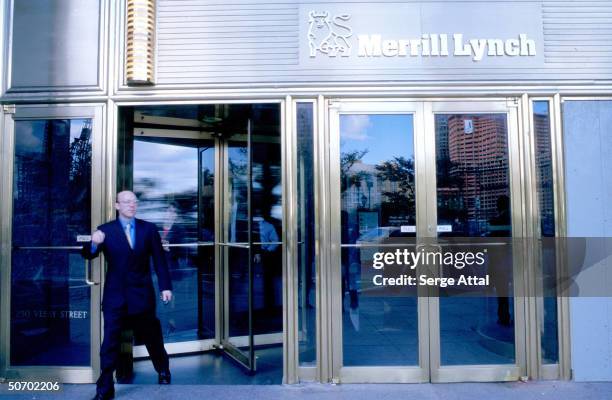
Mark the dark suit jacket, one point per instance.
(128, 277)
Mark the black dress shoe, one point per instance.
(104, 396)
(164, 378)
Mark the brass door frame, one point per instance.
(95, 112)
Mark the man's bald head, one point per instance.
(125, 195)
(126, 204)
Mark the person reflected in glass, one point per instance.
(207, 230)
(267, 241)
(170, 218)
(173, 232)
(351, 267)
(129, 245)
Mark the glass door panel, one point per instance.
(474, 330)
(238, 336)
(50, 308)
(378, 204)
(474, 198)
(209, 177)
(375, 195)
(167, 177)
(206, 242)
(266, 230)
(253, 247)
(53, 290)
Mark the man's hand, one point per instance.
(97, 237)
(166, 296)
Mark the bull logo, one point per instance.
(329, 35)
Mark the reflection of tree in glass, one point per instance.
(238, 165)
(208, 177)
(347, 160)
(144, 186)
(400, 172)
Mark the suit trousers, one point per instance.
(146, 326)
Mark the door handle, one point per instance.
(47, 247)
(88, 274)
(237, 245)
(192, 244)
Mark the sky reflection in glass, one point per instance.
(384, 136)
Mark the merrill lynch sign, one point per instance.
(371, 34)
(331, 36)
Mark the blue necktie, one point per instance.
(128, 235)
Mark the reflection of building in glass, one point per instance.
(544, 172)
(80, 178)
(41, 177)
(52, 181)
(478, 161)
(441, 138)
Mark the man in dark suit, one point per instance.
(129, 244)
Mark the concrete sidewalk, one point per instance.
(541, 390)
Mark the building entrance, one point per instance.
(271, 238)
(210, 178)
(417, 176)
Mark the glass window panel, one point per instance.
(306, 234)
(545, 193)
(50, 301)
